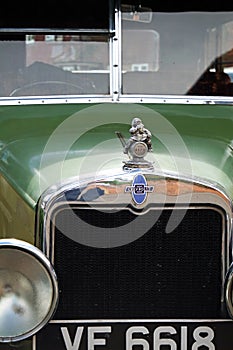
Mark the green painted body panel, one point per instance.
(41, 145)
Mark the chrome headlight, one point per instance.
(28, 290)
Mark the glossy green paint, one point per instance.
(41, 145)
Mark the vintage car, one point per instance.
(116, 176)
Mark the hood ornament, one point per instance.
(137, 146)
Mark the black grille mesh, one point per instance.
(160, 275)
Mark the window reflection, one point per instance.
(188, 53)
(55, 65)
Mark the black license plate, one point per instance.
(136, 335)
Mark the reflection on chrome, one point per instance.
(28, 290)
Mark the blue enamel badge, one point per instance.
(139, 189)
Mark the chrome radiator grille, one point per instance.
(159, 275)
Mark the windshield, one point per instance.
(180, 53)
(55, 64)
(147, 53)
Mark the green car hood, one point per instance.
(42, 145)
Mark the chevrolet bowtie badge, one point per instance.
(137, 146)
(139, 189)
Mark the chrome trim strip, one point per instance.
(115, 97)
(115, 53)
(48, 100)
(111, 64)
(182, 99)
(118, 52)
(142, 320)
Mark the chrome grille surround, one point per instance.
(169, 193)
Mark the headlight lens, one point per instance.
(28, 290)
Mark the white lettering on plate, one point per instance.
(136, 336)
(92, 341)
(203, 337)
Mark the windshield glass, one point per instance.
(54, 64)
(159, 53)
(179, 53)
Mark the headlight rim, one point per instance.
(37, 254)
